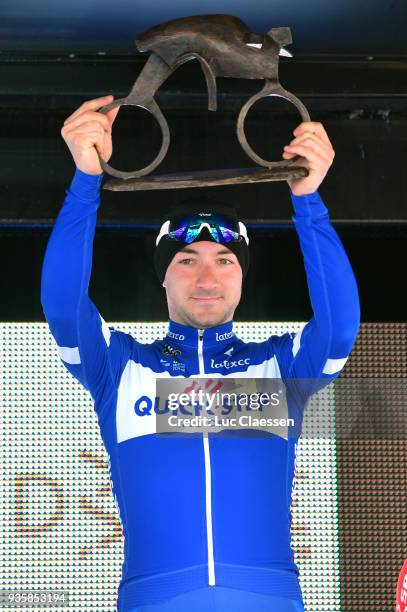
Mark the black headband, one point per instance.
(167, 248)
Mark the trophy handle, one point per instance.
(269, 89)
(152, 107)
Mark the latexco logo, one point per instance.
(230, 364)
(176, 336)
(224, 336)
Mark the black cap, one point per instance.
(167, 248)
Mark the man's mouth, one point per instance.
(206, 299)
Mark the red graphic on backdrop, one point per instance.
(401, 598)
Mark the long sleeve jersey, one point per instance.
(205, 509)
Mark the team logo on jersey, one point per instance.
(229, 351)
(170, 350)
(176, 364)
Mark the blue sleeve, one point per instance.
(320, 349)
(94, 353)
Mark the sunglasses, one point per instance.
(187, 229)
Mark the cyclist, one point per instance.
(206, 519)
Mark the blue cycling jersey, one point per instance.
(199, 510)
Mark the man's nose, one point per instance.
(207, 275)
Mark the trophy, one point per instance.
(224, 47)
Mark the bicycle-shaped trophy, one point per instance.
(224, 47)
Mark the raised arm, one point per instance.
(320, 349)
(90, 350)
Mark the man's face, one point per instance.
(203, 284)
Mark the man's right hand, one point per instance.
(87, 130)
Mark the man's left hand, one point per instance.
(311, 142)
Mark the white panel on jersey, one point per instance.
(105, 330)
(68, 354)
(138, 380)
(334, 365)
(297, 341)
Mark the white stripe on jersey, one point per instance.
(68, 354)
(334, 365)
(297, 341)
(105, 330)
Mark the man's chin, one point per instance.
(207, 319)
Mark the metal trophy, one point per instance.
(224, 47)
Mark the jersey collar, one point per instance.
(188, 336)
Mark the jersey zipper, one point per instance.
(208, 482)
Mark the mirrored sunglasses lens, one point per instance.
(191, 234)
(228, 234)
(189, 229)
